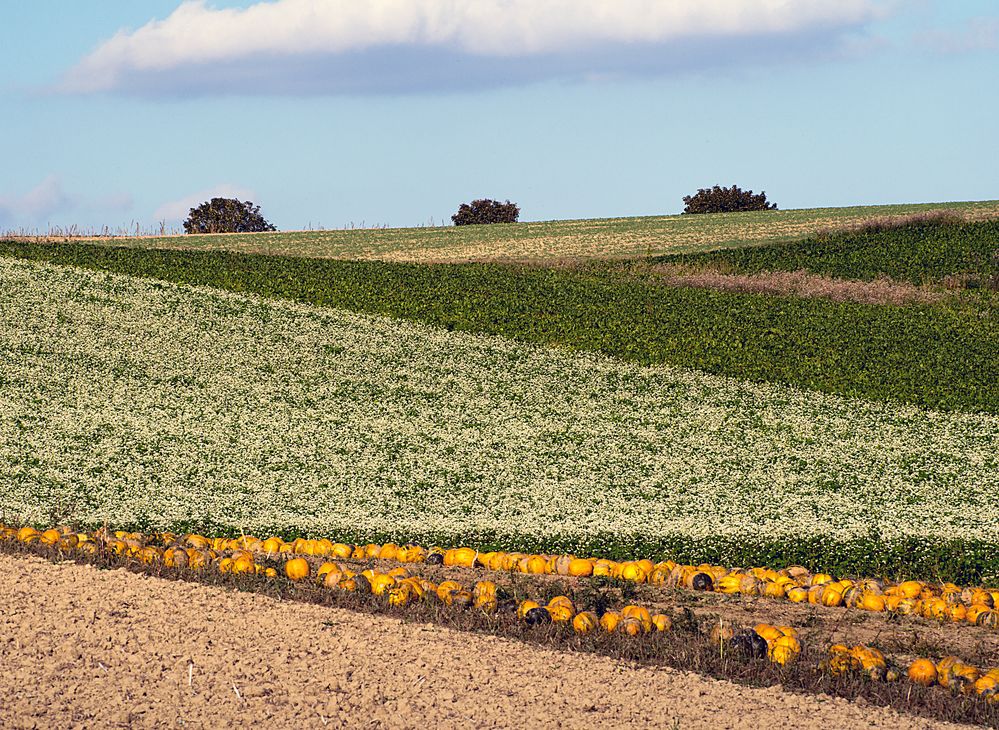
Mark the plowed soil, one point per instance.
(81, 647)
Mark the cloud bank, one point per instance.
(38, 204)
(337, 46)
(50, 199)
(176, 211)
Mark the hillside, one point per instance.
(545, 241)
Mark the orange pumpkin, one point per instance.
(297, 569)
(580, 567)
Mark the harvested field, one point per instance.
(598, 238)
(87, 647)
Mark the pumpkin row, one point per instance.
(950, 672)
(779, 644)
(944, 602)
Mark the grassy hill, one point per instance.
(943, 354)
(545, 241)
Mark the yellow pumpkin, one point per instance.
(401, 595)
(986, 685)
(343, 551)
(944, 667)
(297, 568)
(561, 613)
(832, 595)
(585, 622)
(333, 578)
(410, 581)
(660, 575)
(797, 595)
(729, 584)
(988, 618)
(389, 551)
(580, 567)
(487, 604)
(604, 567)
(271, 546)
(937, 609)
(774, 589)
(244, 564)
(484, 588)
(768, 632)
(963, 677)
(610, 620)
(536, 565)
(381, 583)
(630, 626)
(462, 557)
(526, 606)
(446, 588)
(972, 613)
(640, 614)
(784, 650)
(662, 622)
(871, 602)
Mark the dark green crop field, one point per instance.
(921, 253)
(942, 356)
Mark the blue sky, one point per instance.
(393, 112)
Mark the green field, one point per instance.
(545, 241)
(586, 408)
(943, 356)
(150, 405)
(927, 253)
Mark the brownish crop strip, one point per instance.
(792, 283)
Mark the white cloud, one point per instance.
(177, 211)
(35, 206)
(50, 199)
(196, 35)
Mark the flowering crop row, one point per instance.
(146, 404)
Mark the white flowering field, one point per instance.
(133, 402)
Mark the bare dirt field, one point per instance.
(81, 647)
